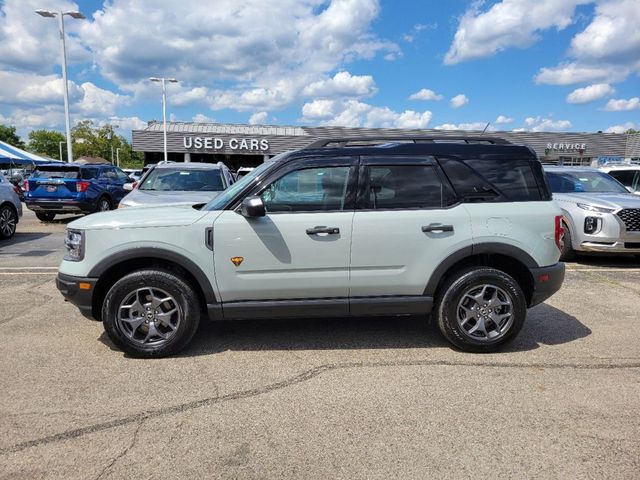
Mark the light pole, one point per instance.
(111, 140)
(60, 146)
(164, 108)
(60, 15)
(118, 157)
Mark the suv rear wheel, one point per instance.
(151, 313)
(480, 309)
(104, 205)
(8, 221)
(45, 216)
(567, 253)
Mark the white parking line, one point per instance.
(28, 268)
(28, 273)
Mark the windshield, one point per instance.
(183, 180)
(588, 182)
(55, 172)
(219, 202)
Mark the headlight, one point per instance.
(593, 208)
(74, 242)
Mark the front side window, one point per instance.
(403, 187)
(307, 190)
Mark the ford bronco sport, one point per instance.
(463, 228)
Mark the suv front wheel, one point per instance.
(480, 309)
(151, 313)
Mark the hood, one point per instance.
(607, 200)
(151, 197)
(162, 216)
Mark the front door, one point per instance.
(298, 252)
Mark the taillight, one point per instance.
(559, 232)
(17, 190)
(26, 186)
(134, 185)
(82, 186)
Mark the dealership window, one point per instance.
(312, 189)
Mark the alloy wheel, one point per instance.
(7, 222)
(485, 313)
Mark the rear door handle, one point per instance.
(437, 228)
(322, 229)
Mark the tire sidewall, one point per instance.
(567, 252)
(100, 202)
(15, 220)
(181, 291)
(461, 283)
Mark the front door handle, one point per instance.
(437, 228)
(322, 229)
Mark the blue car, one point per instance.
(57, 188)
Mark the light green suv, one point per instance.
(464, 229)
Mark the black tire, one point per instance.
(186, 302)
(45, 216)
(567, 253)
(452, 293)
(8, 221)
(103, 204)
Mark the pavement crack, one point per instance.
(296, 379)
(132, 444)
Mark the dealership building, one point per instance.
(249, 145)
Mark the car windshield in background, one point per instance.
(55, 172)
(220, 201)
(183, 180)
(588, 182)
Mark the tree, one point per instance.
(632, 131)
(93, 141)
(47, 143)
(9, 135)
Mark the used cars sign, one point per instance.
(215, 143)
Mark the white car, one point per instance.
(10, 208)
(467, 231)
(628, 175)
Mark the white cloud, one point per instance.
(353, 113)
(342, 85)
(188, 96)
(477, 126)
(98, 102)
(425, 94)
(126, 124)
(258, 118)
(459, 101)
(590, 93)
(502, 119)
(622, 128)
(506, 24)
(539, 124)
(618, 105)
(201, 118)
(572, 73)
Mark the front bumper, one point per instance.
(620, 246)
(546, 282)
(78, 291)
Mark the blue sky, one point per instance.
(554, 65)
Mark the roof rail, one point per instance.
(343, 142)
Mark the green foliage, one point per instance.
(101, 141)
(47, 143)
(632, 131)
(9, 135)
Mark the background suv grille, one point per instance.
(631, 219)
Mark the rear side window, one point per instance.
(403, 187)
(510, 180)
(56, 172)
(88, 173)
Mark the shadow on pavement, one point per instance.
(545, 325)
(21, 237)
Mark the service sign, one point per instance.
(567, 147)
(215, 143)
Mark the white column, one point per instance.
(187, 157)
(265, 158)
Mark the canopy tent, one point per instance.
(13, 157)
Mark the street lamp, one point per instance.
(60, 15)
(60, 146)
(164, 108)
(118, 157)
(111, 140)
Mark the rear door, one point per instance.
(54, 182)
(405, 224)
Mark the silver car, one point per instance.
(179, 183)
(10, 209)
(600, 214)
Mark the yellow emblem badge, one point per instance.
(237, 260)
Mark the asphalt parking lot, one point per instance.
(364, 398)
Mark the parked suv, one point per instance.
(10, 208)
(57, 188)
(628, 175)
(600, 215)
(465, 229)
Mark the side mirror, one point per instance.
(631, 189)
(128, 187)
(252, 207)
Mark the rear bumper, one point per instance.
(546, 282)
(78, 291)
(59, 206)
